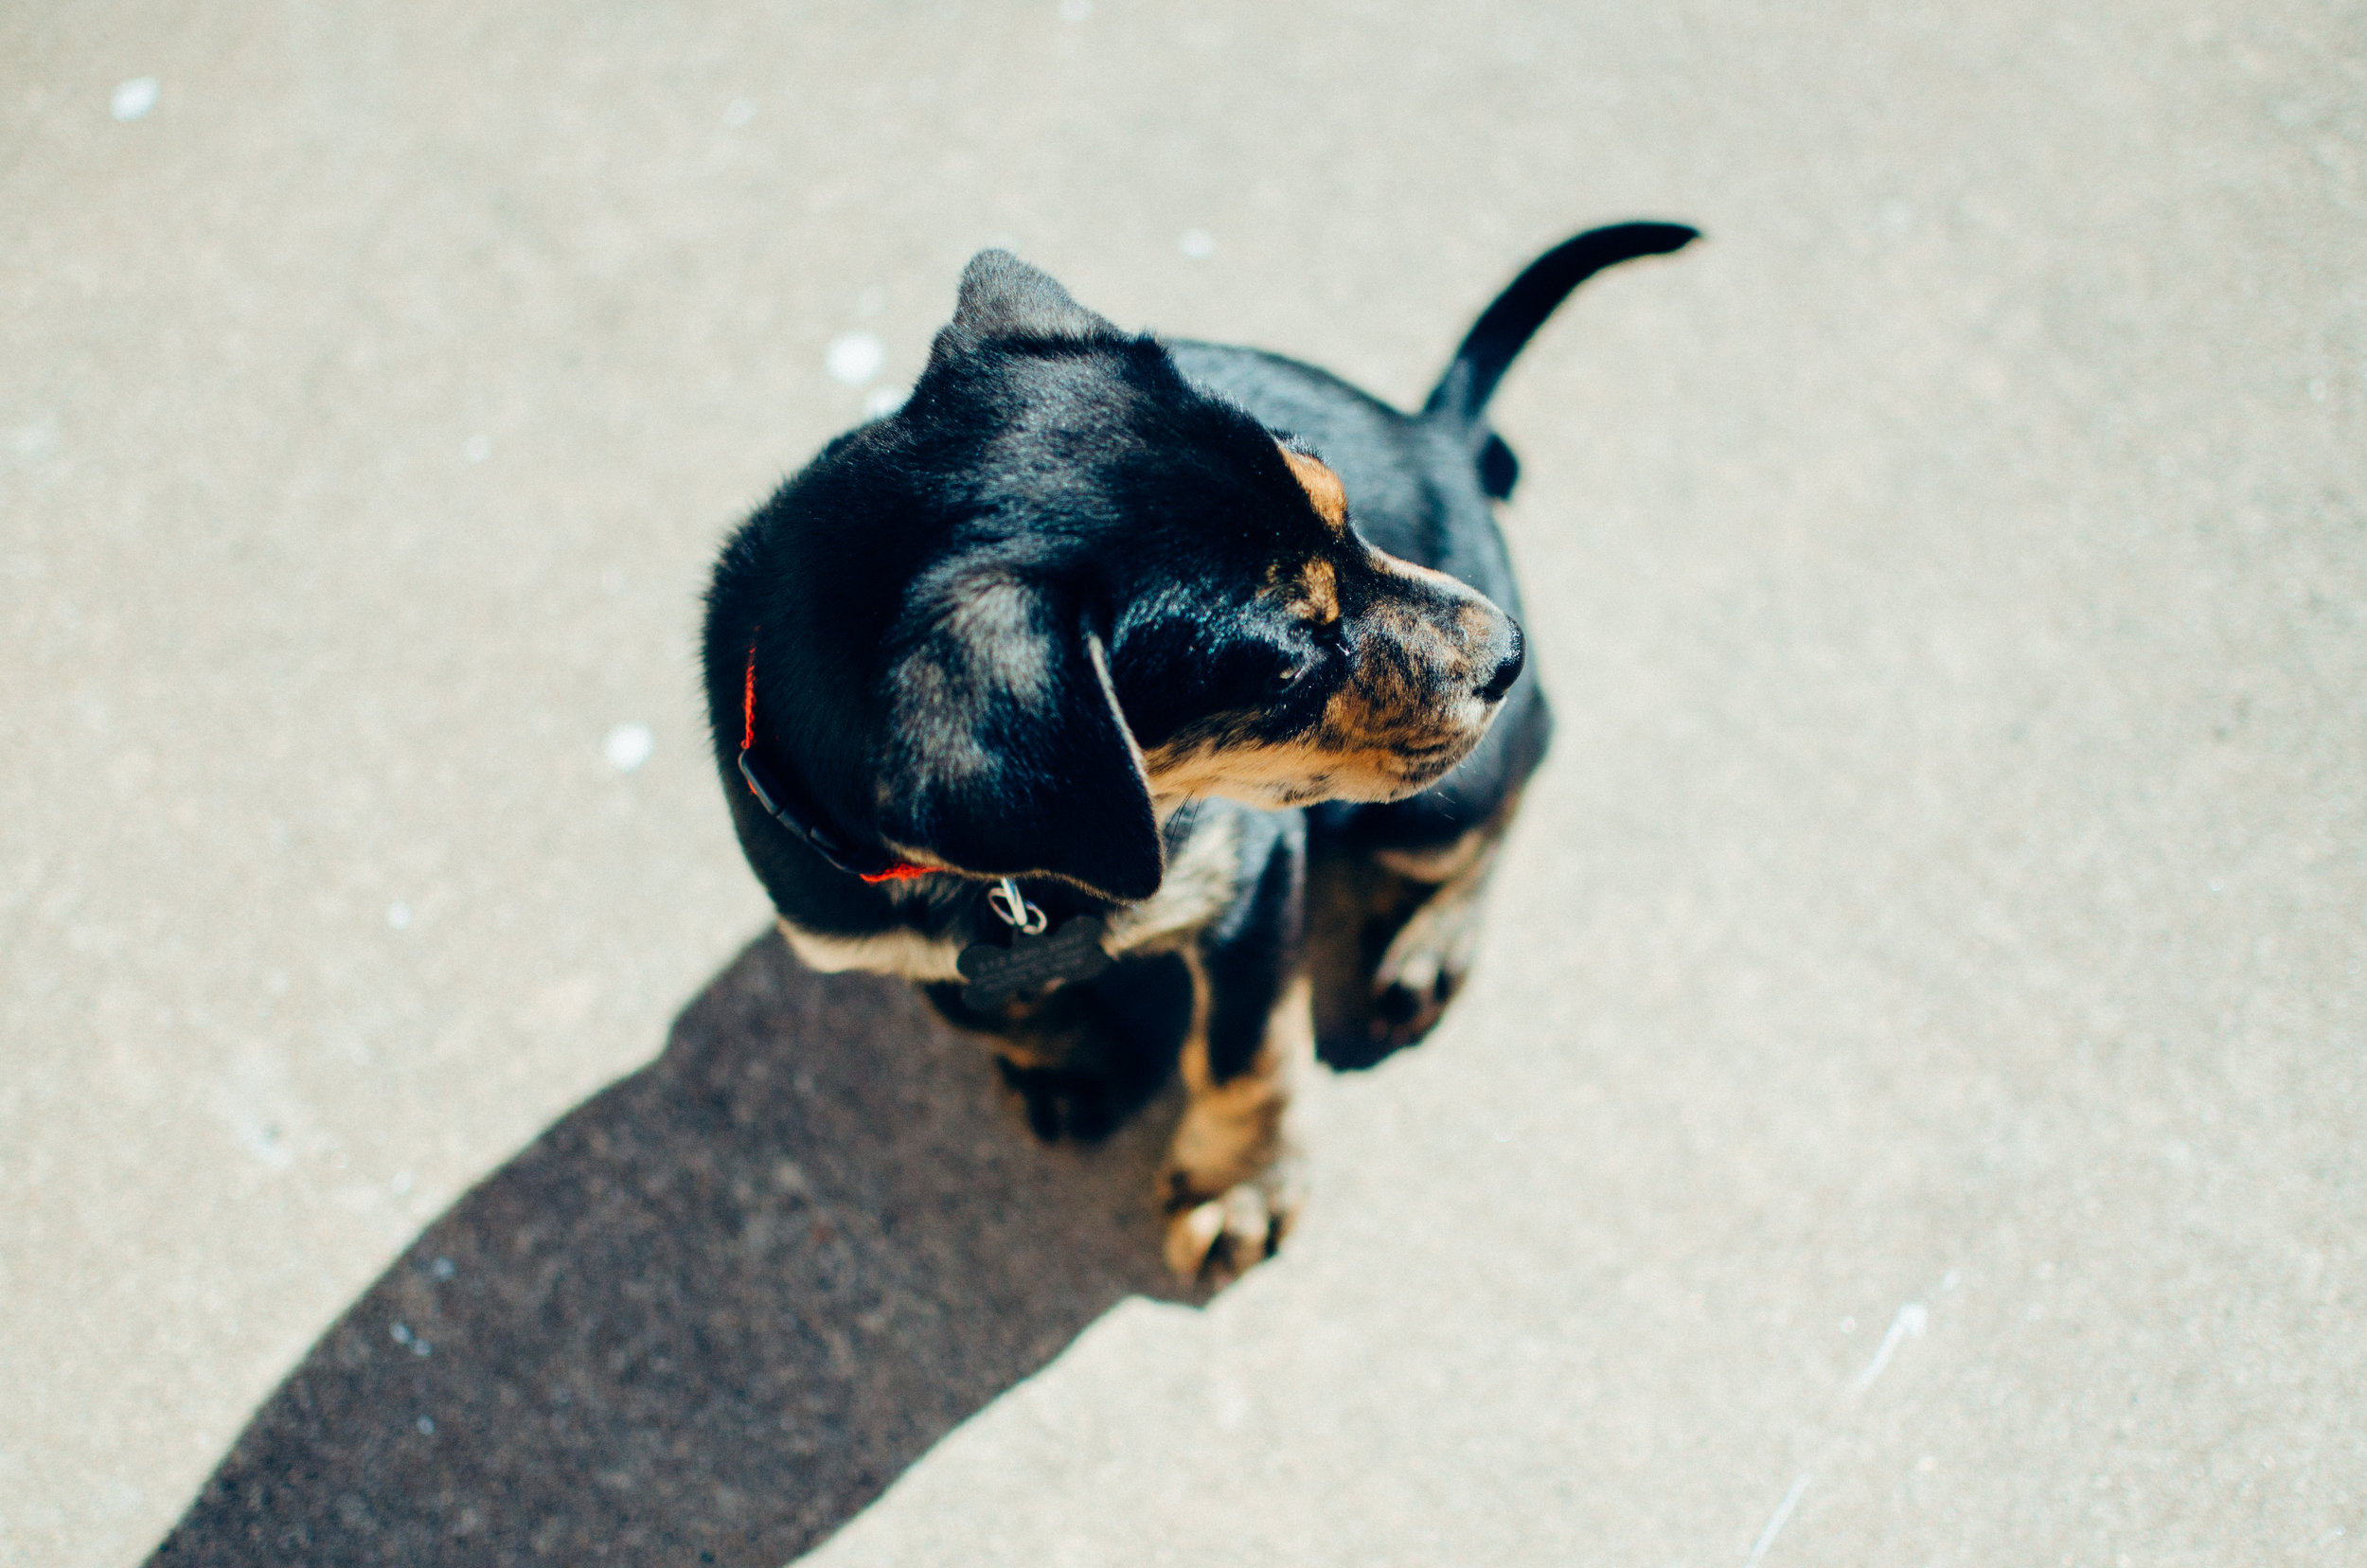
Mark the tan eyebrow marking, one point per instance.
(1322, 486)
(1319, 591)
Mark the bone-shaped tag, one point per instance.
(1030, 963)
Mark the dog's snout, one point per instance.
(1508, 668)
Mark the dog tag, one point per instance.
(1030, 963)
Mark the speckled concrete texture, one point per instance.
(1909, 1107)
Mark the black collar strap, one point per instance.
(775, 794)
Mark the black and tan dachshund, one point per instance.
(1152, 703)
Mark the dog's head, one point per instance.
(1061, 589)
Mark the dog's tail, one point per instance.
(1506, 327)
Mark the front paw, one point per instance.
(1405, 1008)
(1215, 1240)
(1421, 970)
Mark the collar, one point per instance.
(782, 802)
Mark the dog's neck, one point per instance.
(785, 803)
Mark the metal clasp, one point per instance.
(1011, 905)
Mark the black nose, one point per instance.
(1507, 671)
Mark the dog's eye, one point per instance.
(1298, 666)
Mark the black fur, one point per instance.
(1072, 547)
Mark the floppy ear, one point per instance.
(1006, 752)
(1004, 297)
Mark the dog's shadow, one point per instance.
(709, 1314)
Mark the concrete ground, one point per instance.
(1910, 1108)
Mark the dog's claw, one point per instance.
(1192, 1236)
(1217, 1241)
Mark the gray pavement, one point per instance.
(1909, 1111)
(716, 1309)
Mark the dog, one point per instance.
(1152, 705)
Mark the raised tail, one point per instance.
(1506, 326)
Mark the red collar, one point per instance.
(773, 793)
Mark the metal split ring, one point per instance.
(1011, 905)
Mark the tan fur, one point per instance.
(1324, 490)
(1199, 886)
(1231, 1180)
(1380, 737)
(899, 952)
(1318, 596)
(1441, 862)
